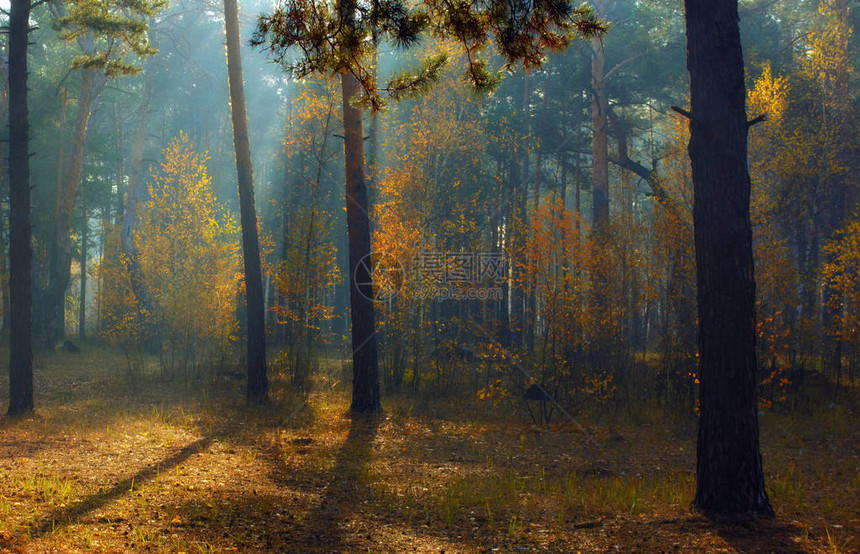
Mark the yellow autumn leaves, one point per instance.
(187, 249)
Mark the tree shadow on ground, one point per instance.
(763, 535)
(741, 535)
(328, 524)
(70, 515)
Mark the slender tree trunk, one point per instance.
(4, 269)
(599, 141)
(600, 282)
(20, 248)
(542, 146)
(503, 245)
(4, 260)
(365, 368)
(257, 386)
(130, 214)
(519, 224)
(373, 158)
(120, 165)
(729, 477)
(562, 181)
(82, 313)
(530, 297)
(282, 327)
(577, 194)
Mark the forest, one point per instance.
(437, 276)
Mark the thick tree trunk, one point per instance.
(729, 478)
(20, 248)
(257, 386)
(365, 369)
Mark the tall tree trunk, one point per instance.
(518, 227)
(729, 477)
(60, 253)
(4, 271)
(373, 158)
(258, 385)
(129, 216)
(599, 140)
(82, 313)
(119, 168)
(20, 248)
(282, 327)
(600, 282)
(541, 126)
(365, 368)
(503, 245)
(577, 194)
(4, 259)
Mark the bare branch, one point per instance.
(683, 112)
(622, 63)
(757, 119)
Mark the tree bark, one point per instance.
(82, 313)
(365, 368)
(257, 385)
(729, 477)
(599, 141)
(20, 248)
(599, 293)
(4, 260)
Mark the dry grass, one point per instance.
(109, 466)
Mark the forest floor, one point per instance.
(107, 466)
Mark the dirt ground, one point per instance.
(107, 465)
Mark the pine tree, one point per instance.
(729, 477)
(20, 249)
(257, 380)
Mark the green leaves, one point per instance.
(111, 33)
(316, 36)
(411, 83)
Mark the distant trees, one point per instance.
(575, 174)
(729, 476)
(307, 273)
(20, 248)
(805, 190)
(335, 39)
(108, 34)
